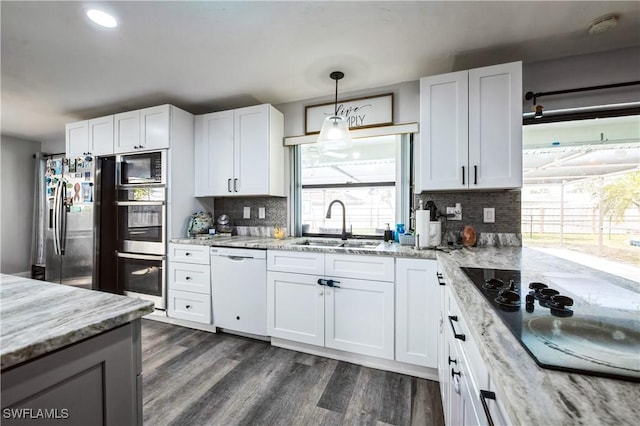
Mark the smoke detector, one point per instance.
(603, 24)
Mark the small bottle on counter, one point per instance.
(388, 234)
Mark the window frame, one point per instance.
(403, 187)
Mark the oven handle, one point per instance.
(140, 203)
(140, 256)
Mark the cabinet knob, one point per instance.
(189, 307)
(237, 318)
(455, 361)
(187, 254)
(187, 278)
(321, 293)
(454, 373)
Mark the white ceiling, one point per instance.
(57, 67)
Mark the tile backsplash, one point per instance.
(507, 204)
(275, 210)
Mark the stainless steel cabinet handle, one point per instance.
(229, 185)
(484, 395)
(453, 318)
(140, 256)
(463, 175)
(235, 185)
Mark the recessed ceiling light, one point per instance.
(102, 18)
(602, 24)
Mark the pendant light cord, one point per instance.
(336, 106)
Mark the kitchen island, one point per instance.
(530, 395)
(68, 354)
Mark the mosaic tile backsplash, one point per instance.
(506, 229)
(275, 210)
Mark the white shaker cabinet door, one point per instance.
(417, 312)
(155, 125)
(295, 307)
(251, 155)
(101, 135)
(218, 132)
(126, 131)
(77, 139)
(495, 126)
(444, 142)
(359, 317)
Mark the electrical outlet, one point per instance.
(454, 213)
(246, 213)
(489, 215)
(262, 213)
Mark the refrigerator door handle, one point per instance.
(55, 219)
(63, 217)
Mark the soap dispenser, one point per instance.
(388, 234)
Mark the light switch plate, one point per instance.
(262, 213)
(489, 215)
(246, 213)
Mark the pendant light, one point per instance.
(335, 130)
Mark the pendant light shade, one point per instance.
(334, 133)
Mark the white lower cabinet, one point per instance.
(189, 283)
(359, 317)
(336, 312)
(464, 378)
(295, 307)
(190, 306)
(417, 312)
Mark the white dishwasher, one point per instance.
(239, 289)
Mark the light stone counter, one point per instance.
(293, 244)
(39, 317)
(532, 395)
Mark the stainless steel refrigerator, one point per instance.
(69, 237)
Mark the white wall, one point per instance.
(17, 169)
(614, 66)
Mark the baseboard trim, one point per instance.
(161, 316)
(364, 360)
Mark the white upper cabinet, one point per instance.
(495, 126)
(471, 129)
(101, 135)
(240, 152)
(77, 139)
(142, 130)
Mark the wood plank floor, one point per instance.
(192, 377)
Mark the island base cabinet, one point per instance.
(295, 307)
(94, 382)
(359, 317)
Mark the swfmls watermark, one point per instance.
(36, 413)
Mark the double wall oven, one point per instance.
(141, 225)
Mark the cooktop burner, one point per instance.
(576, 326)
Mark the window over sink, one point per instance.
(368, 177)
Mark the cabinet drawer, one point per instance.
(374, 268)
(190, 277)
(468, 348)
(300, 262)
(190, 306)
(189, 253)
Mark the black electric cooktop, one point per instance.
(569, 323)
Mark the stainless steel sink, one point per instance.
(363, 245)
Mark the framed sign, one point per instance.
(371, 111)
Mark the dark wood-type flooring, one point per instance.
(192, 377)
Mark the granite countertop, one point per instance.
(39, 317)
(532, 395)
(293, 244)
